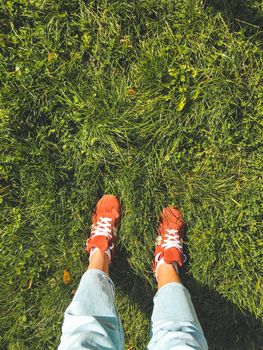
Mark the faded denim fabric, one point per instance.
(174, 324)
(91, 321)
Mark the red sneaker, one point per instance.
(105, 221)
(169, 243)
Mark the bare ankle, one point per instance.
(99, 260)
(167, 274)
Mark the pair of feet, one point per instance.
(106, 219)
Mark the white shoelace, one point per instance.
(172, 240)
(102, 227)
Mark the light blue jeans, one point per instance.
(91, 320)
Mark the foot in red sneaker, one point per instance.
(169, 243)
(105, 221)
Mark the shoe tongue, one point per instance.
(100, 242)
(173, 254)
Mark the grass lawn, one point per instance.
(159, 102)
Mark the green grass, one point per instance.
(159, 102)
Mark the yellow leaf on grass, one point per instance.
(196, 94)
(30, 284)
(126, 41)
(258, 284)
(131, 91)
(66, 277)
(181, 104)
(52, 56)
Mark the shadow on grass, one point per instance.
(224, 325)
(243, 14)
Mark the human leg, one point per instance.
(174, 321)
(91, 320)
(167, 274)
(100, 261)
